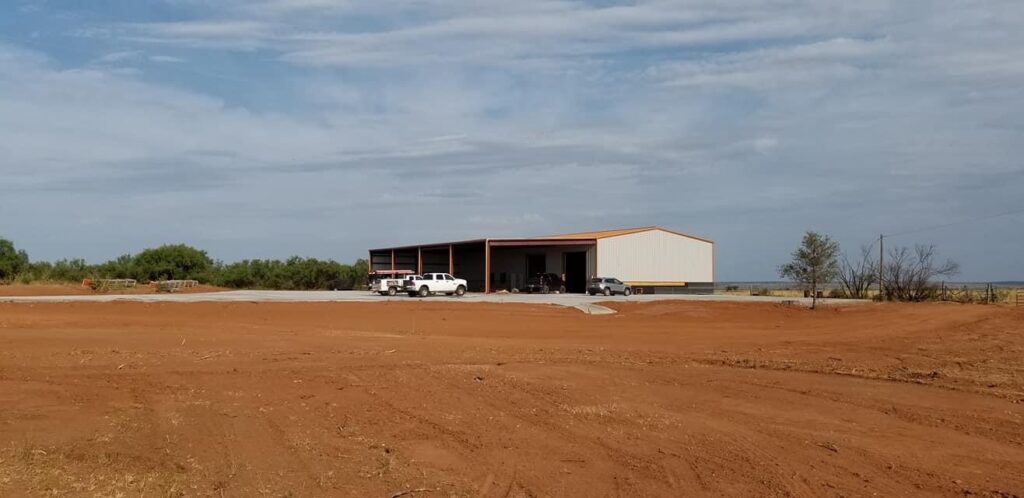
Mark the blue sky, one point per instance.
(267, 128)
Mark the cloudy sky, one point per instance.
(266, 128)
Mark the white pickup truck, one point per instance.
(390, 282)
(435, 283)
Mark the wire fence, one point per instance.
(961, 292)
(990, 294)
(173, 285)
(104, 284)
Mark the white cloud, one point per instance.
(167, 58)
(121, 56)
(765, 145)
(745, 121)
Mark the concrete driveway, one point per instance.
(581, 301)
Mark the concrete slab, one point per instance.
(595, 309)
(569, 300)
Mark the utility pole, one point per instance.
(881, 256)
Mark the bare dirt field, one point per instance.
(436, 399)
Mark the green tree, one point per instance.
(360, 274)
(69, 270)
(171, 262)
(122, 267)
(814, 262)
(12, 261)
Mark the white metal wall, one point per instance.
(655, 256)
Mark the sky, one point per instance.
(270, 128)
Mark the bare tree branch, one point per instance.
(909, 275)
(858, 276)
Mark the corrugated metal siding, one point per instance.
(655, 256)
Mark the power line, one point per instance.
(881, 238)
(944, 225)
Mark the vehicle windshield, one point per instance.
(596, 280)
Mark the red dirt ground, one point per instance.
(435, 399)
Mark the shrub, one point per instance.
(295, 273)
(181, 262)
(68, 270)
(170, 262)
(122, 267)
(12, 261)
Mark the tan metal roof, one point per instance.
(600, 234)
(603, 234)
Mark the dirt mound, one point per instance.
(425, 399)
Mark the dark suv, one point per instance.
(544, 283)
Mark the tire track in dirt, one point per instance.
(530, 400)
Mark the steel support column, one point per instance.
(487, 267)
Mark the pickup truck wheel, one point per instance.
(607, 291)
(461, 291)
(424, 291)
(392, 291)
(561, 290)
(627, 292)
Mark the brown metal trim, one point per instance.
(487, 267)
(541, 243)
(392, 260)
(419, 260)
(438, 245)
(655, 284)
(451, 259)
(546, 240)
(620, 232)
(681, 234)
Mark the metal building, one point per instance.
(650, 259)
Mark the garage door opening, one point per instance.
(536, 264)
(575, 272)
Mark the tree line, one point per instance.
(905, 274)
(182, 262)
